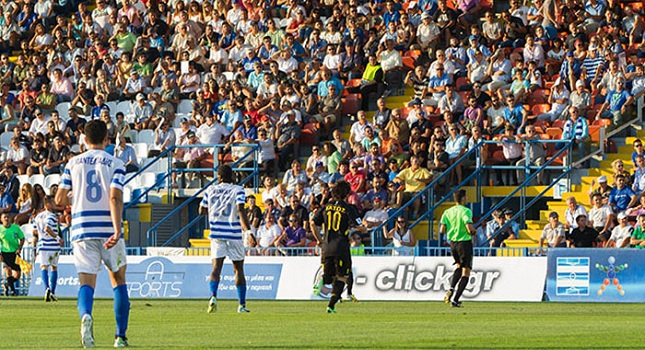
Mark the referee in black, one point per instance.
(457, 222)
(337, 217)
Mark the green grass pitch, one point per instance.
(159, 324)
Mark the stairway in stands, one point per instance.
(530, 236)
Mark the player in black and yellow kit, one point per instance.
(337, 217)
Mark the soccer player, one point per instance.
(11, 241)
(338, 217)
(224, 205)
(458, 223)
(96, 181)
(49, 243)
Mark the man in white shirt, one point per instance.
(286, 62)
(621, 234)
(211, 132)
(17, 155)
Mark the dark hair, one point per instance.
(95, 132)
(225, 173)
(459, 196)
(341, 190)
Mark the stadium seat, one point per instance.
(309, 134)
(594, 133)
(558, 123)
(461, 81)
(540, 108)
(24, 179)
(229, 75)
(409, 62)
(28, 231)
(127, 194)
(141, 149)
(185, 107)
(63, 110)
(554, 133)
(75, 148)
(413, 53)
(51, 179)
(146, 136)
(112, 106)
(5, 139)
(124, 107)
(38, 179)
(351, 104)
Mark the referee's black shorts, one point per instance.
(339, 265)
(9, 260)
(462, 252)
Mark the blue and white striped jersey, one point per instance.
(90, 176)
(45, 241)
(224, 219)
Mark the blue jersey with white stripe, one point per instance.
(45, 241)
(90, 176)
(224, 219)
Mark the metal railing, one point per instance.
(151, 234)
(433, 203)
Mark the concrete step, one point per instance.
(517, 243)
(200, 242)
(533, 235)
(536, 224)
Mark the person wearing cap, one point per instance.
(427, 34)
(616, 103)
(134, 86)
(319, 176)
(580, 98)
(142, 110)
(558, 99)
(553, 233)
(621, 234)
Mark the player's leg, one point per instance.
(343, 266)
(87, 259)
(53, 276)
(116, 263)
(44, 275)
(456, 275)
(236, 254)
(8, 274)
(466, 263)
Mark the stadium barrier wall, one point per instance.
(596, 275)
(292, 278)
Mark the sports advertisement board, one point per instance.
(292, 278)
(596, 275)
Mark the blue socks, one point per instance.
(213, 286)
(121, 309)
(85, 300)
(53, 281)
(44, 275)
(241, 294)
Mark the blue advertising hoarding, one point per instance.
(159, 277)
(596, 275)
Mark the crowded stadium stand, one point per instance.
(523, 104)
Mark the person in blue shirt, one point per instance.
(7, 204)
(622, 197)
(390, 14)
(249, 61)
(515, 114)
(328, 79)
(248, 130)
(616, 103)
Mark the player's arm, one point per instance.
(116, 212)
(315, 230)
(62, 197)
(244, 219)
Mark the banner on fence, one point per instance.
(596, 275)
(292, 278)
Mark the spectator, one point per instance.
(582, 236)
(287, 136)
(17, 156)
(573, 212)
(127, 154)
(601, 217)
(58, 157)
(268, 235)
(616, 103)
(553, 233)
(577, 129)
(142, 113)
(558, 99)
(391, 63)
(621, 234)
(188, 158)
(293, 235)
(496, 239)
(7, 204)
(622, 197)
(38, 157)
(414, 179)
(536, 153)
(403, 240)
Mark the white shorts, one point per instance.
(88, 255)
(48, 258)
(221, 248)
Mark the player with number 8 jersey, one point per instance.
(95, 179)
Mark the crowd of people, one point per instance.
(270, 73)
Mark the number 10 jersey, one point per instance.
(90, 176)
